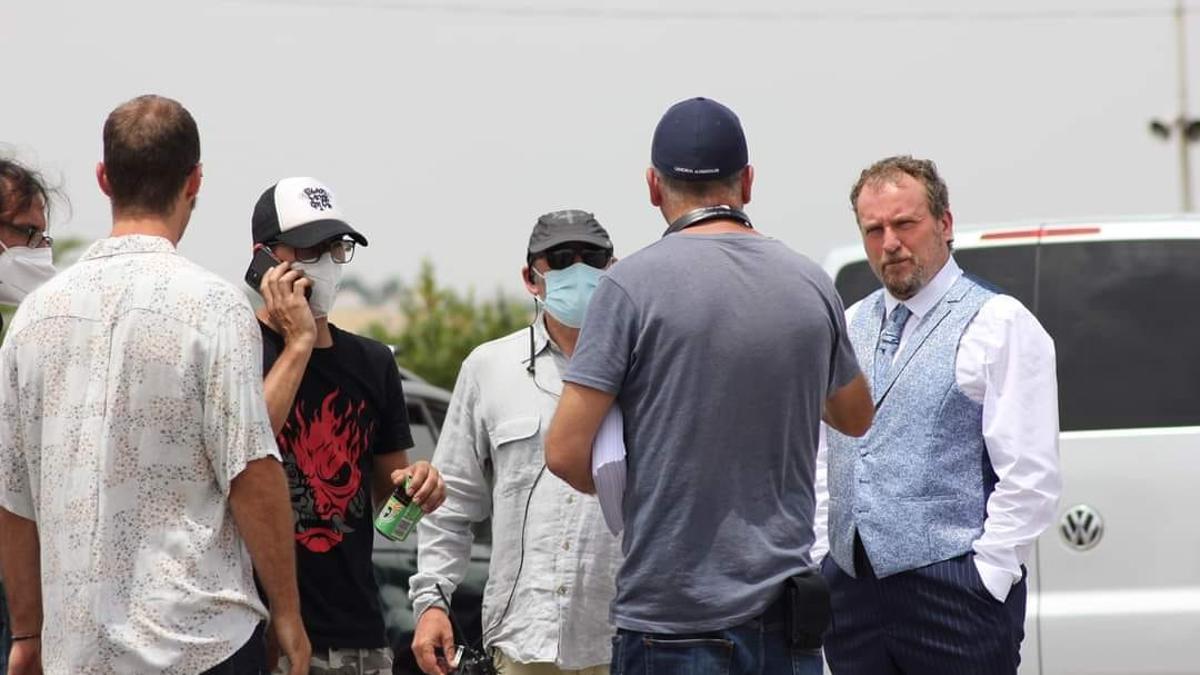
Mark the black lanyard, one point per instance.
(705, 214)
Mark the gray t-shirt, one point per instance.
(721, 350)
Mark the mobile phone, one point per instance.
(260, 264)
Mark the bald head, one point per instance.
(151, 146)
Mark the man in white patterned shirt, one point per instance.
(137, 463)
(933, 512)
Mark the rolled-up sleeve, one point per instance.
(445, 536)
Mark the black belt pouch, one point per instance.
(808, 609)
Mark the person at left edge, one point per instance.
(25, 256)
(25, 262)
(337, 409)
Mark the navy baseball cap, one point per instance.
(698, 139)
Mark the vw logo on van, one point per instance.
(1081, 527)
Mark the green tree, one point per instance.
(442, 326)
(67, 250)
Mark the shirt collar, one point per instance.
(541, 336)
(927, 297)
(130, 243)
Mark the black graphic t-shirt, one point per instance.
(348, 409)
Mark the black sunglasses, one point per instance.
(562, 257)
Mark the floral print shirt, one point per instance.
(130, 397)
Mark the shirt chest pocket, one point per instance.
(517, 452)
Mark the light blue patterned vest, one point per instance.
(915, 487)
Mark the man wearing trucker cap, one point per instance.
(337, 409)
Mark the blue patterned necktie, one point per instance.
(889, 341)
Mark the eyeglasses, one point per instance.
(340, 250)
(34, 238)
(562, 257)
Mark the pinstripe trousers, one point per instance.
(934, 620)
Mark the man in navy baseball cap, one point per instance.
(700, 173)
(699, 140)
(712, 338)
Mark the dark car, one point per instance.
(396, 561)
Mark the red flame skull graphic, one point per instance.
(322, 452)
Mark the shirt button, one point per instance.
(570, 499)
(566, 546)
(562, 590)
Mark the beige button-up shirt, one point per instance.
(491, 457)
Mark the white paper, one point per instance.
(608, 467)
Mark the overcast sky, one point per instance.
(446, 128)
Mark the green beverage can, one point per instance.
(399, 515)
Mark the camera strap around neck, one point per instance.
(704, 214)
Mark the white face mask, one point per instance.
(325, 276)
(22, 269)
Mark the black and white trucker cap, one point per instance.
(300, 212)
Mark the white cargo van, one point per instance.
(1114, 586)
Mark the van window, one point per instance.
(423, 436)
(855, 282)
(437, 411)
(1123, 315)
(1008, 268)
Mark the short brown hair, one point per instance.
(937, 195)
(700, 190)
(151, 145)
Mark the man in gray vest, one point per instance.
(933, 512)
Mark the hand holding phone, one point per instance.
(290, 315)
(260, 264)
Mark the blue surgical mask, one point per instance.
(568, 292)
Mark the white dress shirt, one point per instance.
(1006, 363)
(554, 562)
(131, 397)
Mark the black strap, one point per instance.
(705, 214)
(531, 369)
